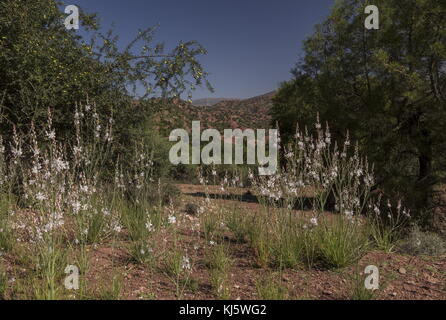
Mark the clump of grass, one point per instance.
(6, 237)
(236, 223)
(359, 291)
(51, 261)
(178, 268)
(91, 225)
(82, 259)
(210, 222)
(295, 242)
(165, 193)
(112, 292)
(341, 242)
(317, 173)
(287, 251)
(137, 222)
(386, 226)
(191, 209)
(191, 284)
(142, 252)
(271, 288)
(6, 233)
(219, 263)
(259, 241)
(141, 223)
(3, 284)
(419, 242)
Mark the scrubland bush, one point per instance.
(418, 242)
(191, 209)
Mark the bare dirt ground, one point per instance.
(401, 276)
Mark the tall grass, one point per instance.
(219, 263)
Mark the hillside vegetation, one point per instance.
(253, 113)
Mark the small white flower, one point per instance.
(17, 152)
(40, 196)
(186, 263)
(313, 221)
(149, 226)
(76, 206)
(172, 219)
(117, 228)
(418, 242)
(348, 213)
(51, 135)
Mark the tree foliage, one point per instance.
(43, 65)
(387, 87)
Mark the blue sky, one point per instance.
(252, 45)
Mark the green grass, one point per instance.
(3, 284)
(271, 288)
(219, 263)
(341, 242)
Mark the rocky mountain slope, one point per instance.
(250, 113)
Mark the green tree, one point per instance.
(43, 65)
(387, 87)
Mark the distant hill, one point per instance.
(208, 102)
(252, 113)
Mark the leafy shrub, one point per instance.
(164, 194)
(191, 209)
(419, 242)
